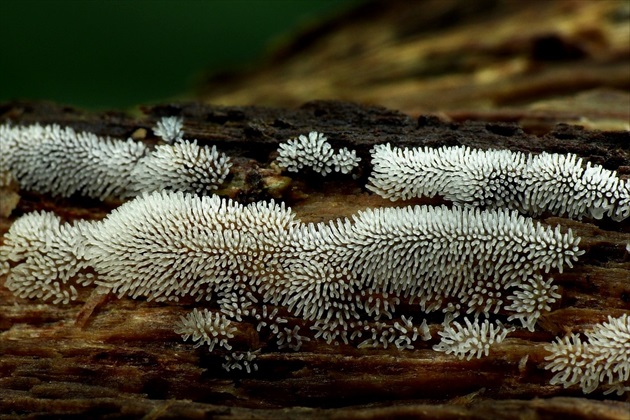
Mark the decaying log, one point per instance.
(121, 357)
(504, 60)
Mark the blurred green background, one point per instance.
(119, 53)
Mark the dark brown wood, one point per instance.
(121, 357)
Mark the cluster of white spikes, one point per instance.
(183, 166)
(61, 161)
(169, 129)
(314, 152)
(205, 327)
(168, 245)
(531, 184)
(471, 340)
(603, 360)
(341, 278)
(50, 257)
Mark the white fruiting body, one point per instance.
(602, 361)
(183, 166)
(63, 162)
(205, 327)
(333, 276)
(43, 257)
(472, 340)
(165, 245)
(168, 245)
(169, 129)
(533, 184)
(314, 152)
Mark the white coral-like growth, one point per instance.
(62, 161)
(205, 327)
(291, 338)
(560, 184)
(167, 245)
(458, 174)
(314, 151)
(602, 361)
(622, 209)
(183, 166)
(534, 298)
(402, 334)
(169, 129)
(241, 361)
(43, 257)
(345, 160)
(428, 254)
(472, 340)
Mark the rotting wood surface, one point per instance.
(121, 358)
